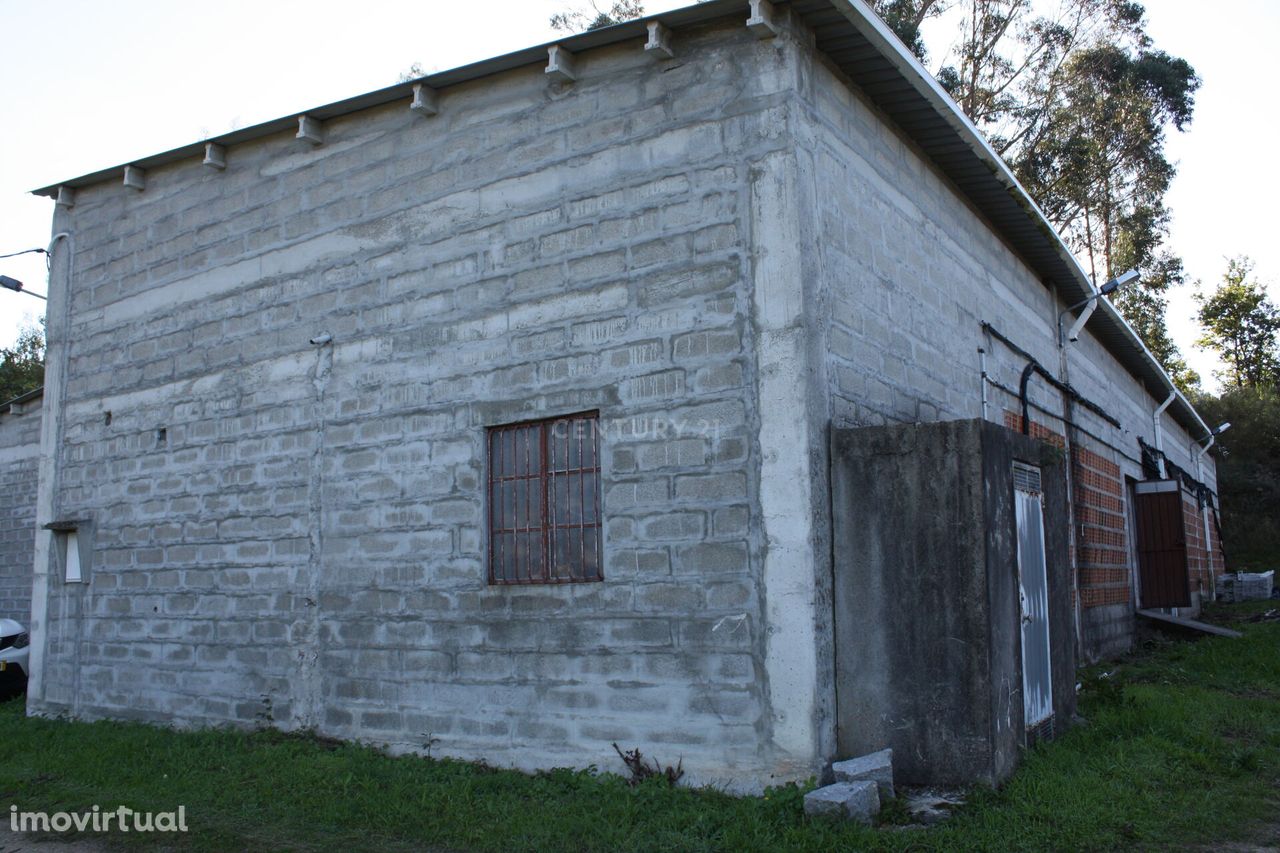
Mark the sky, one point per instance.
(85, 85)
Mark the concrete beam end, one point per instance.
(426, 100)
(560, 65)
(215, 156)
(310, 130)
(659, 44)
(135, 178)
(763, 22)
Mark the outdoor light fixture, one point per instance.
(1092, 303)
(16, 286)
(1213, 436)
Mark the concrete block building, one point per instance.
(19, 451)
(494, 410)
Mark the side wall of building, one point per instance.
(19, 462)
(295, 534)
(910, 272)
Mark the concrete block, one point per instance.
(876, 767)
(66, 197)
(858, 801)
(713, 557)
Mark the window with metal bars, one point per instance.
(544, 501)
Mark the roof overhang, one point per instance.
(22, 399)
(869, 54)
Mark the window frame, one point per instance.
(498, 473)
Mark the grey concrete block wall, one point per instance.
(296, 534)
(19, 454)
(910, 271)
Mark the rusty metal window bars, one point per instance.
(544, 501)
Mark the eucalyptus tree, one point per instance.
(22, 365)
(1243, 326)
(593, 17)
(1077, 99)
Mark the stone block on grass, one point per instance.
(858, 801)
(876, 767)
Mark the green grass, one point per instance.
(1182, 747)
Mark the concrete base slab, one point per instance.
(851, 800)
(876, 767)
(1189, 625)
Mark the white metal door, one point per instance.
(1033, 584)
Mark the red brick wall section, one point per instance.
(1102, 532)
(1198, 561)
(1104, 573)
(1013, 421)
(1217, 562)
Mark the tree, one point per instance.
(592, 17)
(1078, 103)
(22, 365)
(1248, 472)
(1241, 325)
(415, 72)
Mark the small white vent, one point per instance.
(73, 573)
(1026, 478)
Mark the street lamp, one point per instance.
(1092, 301)
(1213, 436)
(16, 286)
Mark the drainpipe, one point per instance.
(1074, 334)
(1068, 416)
(1155, 420)
(982, 363)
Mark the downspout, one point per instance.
(1074, 334)
(982, 364)
(1159, 431)
(1073, 538)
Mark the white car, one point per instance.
(13, 659)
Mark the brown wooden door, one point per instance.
(1162, 545)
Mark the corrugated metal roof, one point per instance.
(864, 49)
